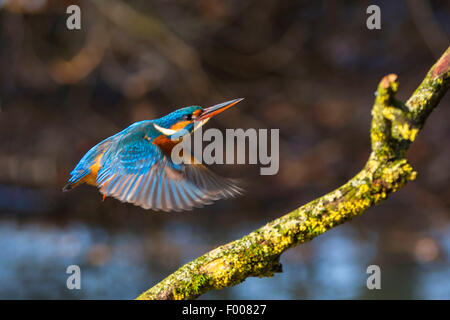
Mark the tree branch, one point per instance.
(394, 127)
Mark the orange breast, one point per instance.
(165, 144)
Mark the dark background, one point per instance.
(309, 68)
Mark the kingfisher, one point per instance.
(135, 165)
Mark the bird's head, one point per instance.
(186, 120)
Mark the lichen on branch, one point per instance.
(395, 126)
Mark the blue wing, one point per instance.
(135, 170)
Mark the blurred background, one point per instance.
(309, 68)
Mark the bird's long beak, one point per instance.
(218, 108)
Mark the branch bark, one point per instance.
(395, 126)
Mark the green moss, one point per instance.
(191, 288)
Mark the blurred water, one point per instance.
(120, 265)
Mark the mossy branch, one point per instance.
(394, 127)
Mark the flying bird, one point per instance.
(135, 164)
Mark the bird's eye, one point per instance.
(188, 117)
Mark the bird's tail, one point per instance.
(68, 187)
(83, 168)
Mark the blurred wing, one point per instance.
(140, 173)
(205, 179)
